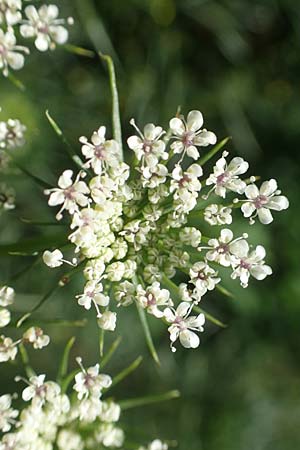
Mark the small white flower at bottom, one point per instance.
(183, 325)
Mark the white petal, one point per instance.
(194, 120)
(183, 309)
(192, 152)
(42, 42)
(65, 180)
(252, 191)
(248, 209)
(177, 126)
(15, 60)
(226, 235)
(265, 216)
(278, 203)
(56, 198)
(240, 248)
(189, 339)
(268, 187)
(59, 34)
(205, 138)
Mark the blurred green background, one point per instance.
(237, 61)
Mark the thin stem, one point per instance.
(148, 400)
(116, 121)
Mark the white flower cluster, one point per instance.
(133, 226)
(55, 420)
(42, 24)
(33, 335)
(12, 134)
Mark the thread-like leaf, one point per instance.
(213, 151)
(63, 368)
(148, 400)
(116, 121)
(113, 348)
(127, 371)
(147, 333)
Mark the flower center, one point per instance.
(188, 138)
(99, 151)
(244, 264)
(221, 179)
(260, 201)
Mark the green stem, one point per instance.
(111, 351)
(127, 371)
(116, 121)
(213, 151)
(147, 332)
(148, 400)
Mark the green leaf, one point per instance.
(66, 382)
(114, 346)
(33, 177)
(101, 341)
(127, 371)
(213, 151)
(116, 121)
(16, 82)
(147, 333)
(79, 51)
(209, 317)
(63, 368)
(224, 291)
(148, 400)
(25, 361)
(70, 151)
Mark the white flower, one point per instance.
(88, 409)
(93, 293)
(94, 269)
(226, 177)
(12, 134)
(183, 326)
(248, 262)
(204, 277)
(218, 215)
(69, 440)
(89, 382)
(7, 197)
(53, 259)
(69, 194)
(99, 152)
(148, 147)
(188, 179)
(110, 412)
(153, 176)
(115, 271)
(189, 134)
(109, 435)
(43, 24)
(8, 349)
(108, 321)
(40, 391)
(7, 296)
(36, 337)
(188, 294)
(153, 298)
(7, 414)
(220, 248)
(125, 293)
(157, 444)
(190, 236)
(10, 53)
(10, 11)
(261, 201)
(4, 317)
